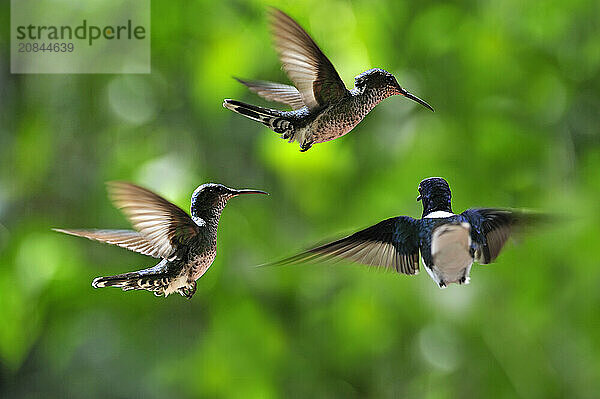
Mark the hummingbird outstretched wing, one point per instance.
(491, 228)
(160, 222)
(311, 71)
(392, 244)
(128, 239)
(278, 92)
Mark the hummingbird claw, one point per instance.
(306, 146)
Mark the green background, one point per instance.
(516, 90)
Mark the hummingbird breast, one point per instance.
(191, 270)
(199, 263)
(340, 118)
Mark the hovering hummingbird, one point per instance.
(322, 108)
(186, 245)
(449, 243)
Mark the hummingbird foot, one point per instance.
(306, 146)
(464, 280)
(188, 291)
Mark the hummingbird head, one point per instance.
(211, 198)
(377, 79)
(385, 84)
(435, 195)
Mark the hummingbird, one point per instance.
(186, 246)
(323, 108)
(449, 243)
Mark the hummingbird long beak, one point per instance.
(247, 191)
(411, 96)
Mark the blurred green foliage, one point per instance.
(517, 91)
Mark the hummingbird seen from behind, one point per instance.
(323, 108)
(186, 245)
(448, 243)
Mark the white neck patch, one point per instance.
(439, 215)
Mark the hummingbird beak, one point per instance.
(246, 191)
(410, 96)
(419, 198)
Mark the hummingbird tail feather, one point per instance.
(271, 118)
(157, 282)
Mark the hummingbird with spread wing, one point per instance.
(448, 243)
(323, 109)
(186, 245)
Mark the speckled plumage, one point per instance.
(187, 245)
(337, 119)
(323, 109)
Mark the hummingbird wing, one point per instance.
(392, 244)
(491, 228)
(311, 71)
(279, 92)
(160, 222)
(128, 239)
